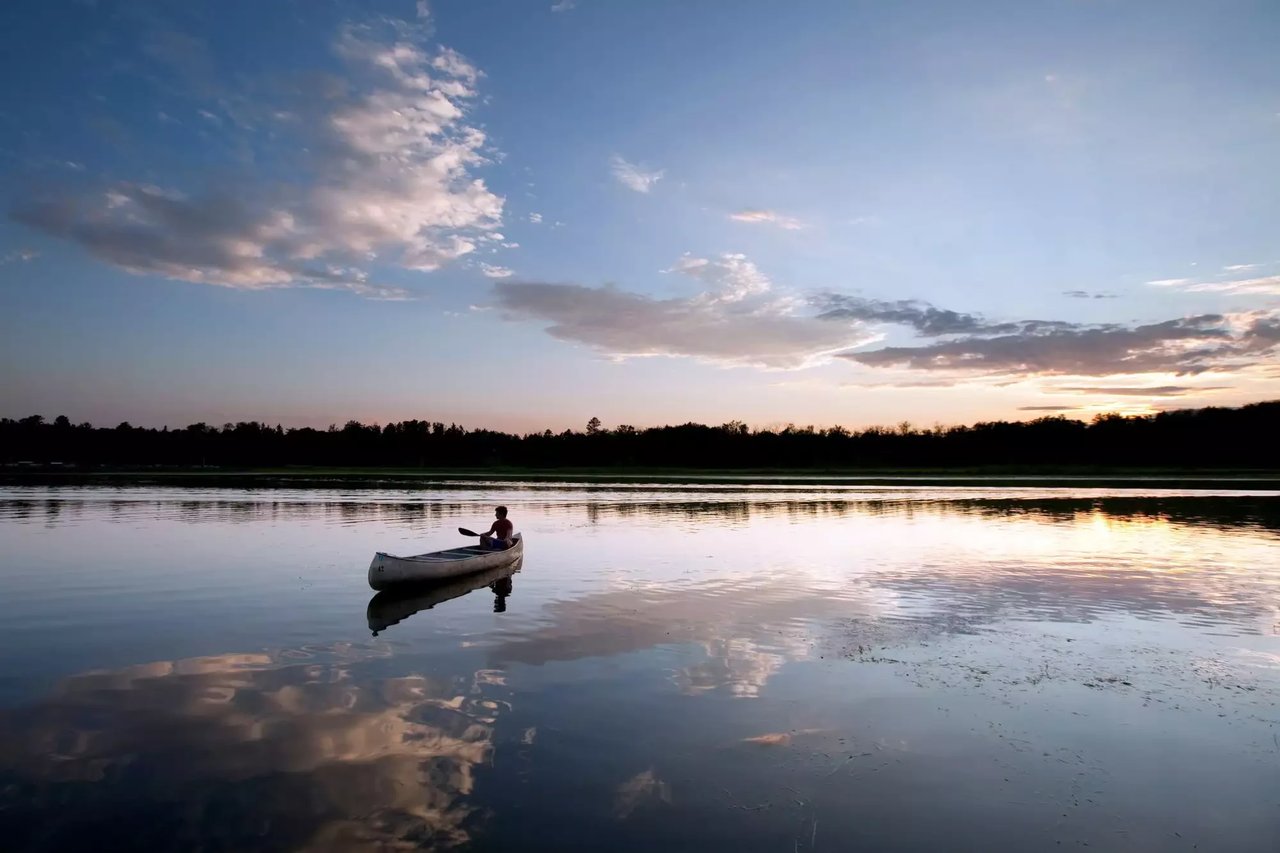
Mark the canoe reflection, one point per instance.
(392, 606)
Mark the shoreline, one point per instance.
(307, 477)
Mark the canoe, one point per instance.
(392, 606)
(387, 570)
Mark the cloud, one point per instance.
(737, 320)
(1265, 286)
(492, 271)
(1261, 286)
(1086, 294)
(633, 176)
(1188, 345)
(738, 317)
(1142, 391)
(535, 218)
(1266, 328)
(1045, 408)
(19, 256)
(392, 180)
(731, 277)
(563, 5)
(770, 217)
(924, 318)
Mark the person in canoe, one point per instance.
(498, 536)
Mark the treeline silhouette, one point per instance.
(1243, 437)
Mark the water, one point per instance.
(780, 668)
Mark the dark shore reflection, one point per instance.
(604, 504)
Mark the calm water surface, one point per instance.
(683, 668)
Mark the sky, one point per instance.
(520, 214)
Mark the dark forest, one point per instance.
(1246, 437)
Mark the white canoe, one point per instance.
(387, 570)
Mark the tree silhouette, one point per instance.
(1211, 437)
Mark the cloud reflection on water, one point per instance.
(247, 752)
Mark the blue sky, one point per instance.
(524, 214)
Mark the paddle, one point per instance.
(465, 532)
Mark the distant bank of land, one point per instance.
(410, 479)
(1188, 443)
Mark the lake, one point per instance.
(684, 667)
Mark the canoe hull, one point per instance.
(387, 571)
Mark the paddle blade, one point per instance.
(465, 532)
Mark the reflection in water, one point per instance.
(732, 506)
(642, 789)
(833, 668)
(246, 752)
(392, 606)
(501, 590)
(746, 629)
(739, 665)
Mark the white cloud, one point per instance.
(633, 176)
(535, 218)
(494, 271)
(563, 5)
(394, 182)
(1240, 267)
(770, 217)
(731, 277)
(1263, 286)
